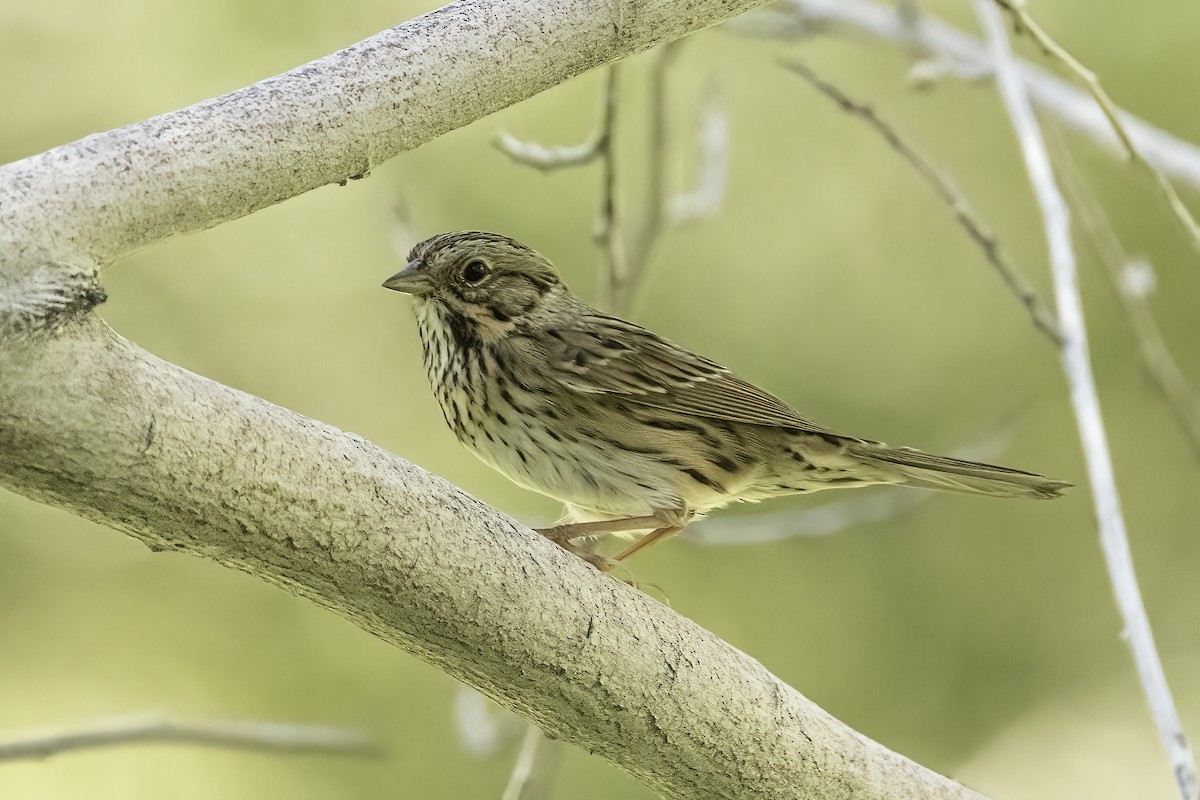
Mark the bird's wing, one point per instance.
(599, 354)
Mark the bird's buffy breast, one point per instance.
(585, 450)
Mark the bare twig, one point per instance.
(482, 728)
(704, 199)
(652, 226)
(158, 728)
(960, 54)
(539, 156)
(1024, 22)
(1077, 366)
(625, 262)
(956, 200)
(1133, 280)
(615, 277)
(533, 773)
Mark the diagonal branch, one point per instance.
(67, 212)
(1042, 319)
(534, 770)
(91, 423)
(962, 54)
(1086, 401)
(274, 737)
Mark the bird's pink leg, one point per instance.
(647, 540)
(563, 534)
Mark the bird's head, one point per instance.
(484, 277)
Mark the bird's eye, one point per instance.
(474, 271)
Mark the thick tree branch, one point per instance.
(91, 423)
(82, 205)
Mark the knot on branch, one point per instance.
(39, 300)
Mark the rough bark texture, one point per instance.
(91, 423)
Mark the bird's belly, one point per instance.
(596, 480)
(589, 454)
(580, 473)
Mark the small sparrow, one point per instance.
(633, 433)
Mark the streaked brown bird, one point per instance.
(633, 433)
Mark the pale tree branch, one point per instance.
(546, 158)
(93, 424)
(707, 194)
(964, 55)
(73, 209)
(274, 737)
(1086, 402)
(836, 516)
(1042, 319)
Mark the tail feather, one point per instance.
(942, 472)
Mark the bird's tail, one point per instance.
(914, 468)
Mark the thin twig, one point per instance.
(1084, 397)
(1122, 270)
(483, 729)
(1024, 22)
(656, 200)
(615, 276)
(962, 55)
(274, 737)
(545, 158)
(533, 772)
(624, 266)
(1016, 282)
(704, 199)
(657, 172)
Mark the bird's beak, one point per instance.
(413, 279)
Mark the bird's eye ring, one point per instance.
(475, 271)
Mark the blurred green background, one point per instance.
(979, 637)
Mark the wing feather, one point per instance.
(599, 354)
